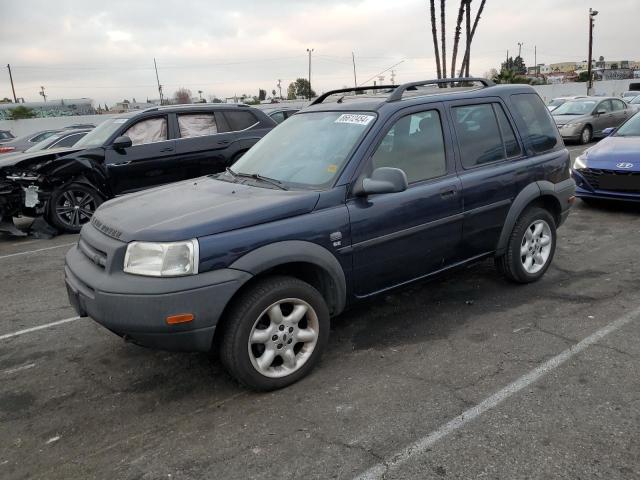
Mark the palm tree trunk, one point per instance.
(456, 38)
(468, 49)
(434, 33)
(466, 60)
(443, 38)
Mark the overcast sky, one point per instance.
(104, 49)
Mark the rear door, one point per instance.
(398, 237)
(489, 169)
(150, 161)
(605, 119)
(620, 110)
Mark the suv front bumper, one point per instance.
(136, 307)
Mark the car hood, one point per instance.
(611, 151)
(562, 119)
(27, 160)
(197, 208)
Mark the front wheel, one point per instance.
(586, 135)
(71, 206)
(531, 247)
(275, 333)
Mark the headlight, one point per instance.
(162, 259)
(572, 125)
(580, 162)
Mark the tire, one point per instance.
(522, 248)
(586, 135)
(290, 359)
(71, 206)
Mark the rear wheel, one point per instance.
(586, 135)
(275, 333)
(71, 206)
(531, 247)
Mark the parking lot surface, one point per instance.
(466, 376)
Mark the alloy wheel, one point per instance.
(75, 207)
(283, 337)
(535, 247)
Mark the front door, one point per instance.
(150, 161)
(398, 237)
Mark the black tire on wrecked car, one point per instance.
(71, 206)
(275, 333)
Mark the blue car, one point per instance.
(611, 168)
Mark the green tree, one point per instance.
(291, 91)
(5, 100)
(300, 88)
(583, 77)
(21, 112)
(262, 94)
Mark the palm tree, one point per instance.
(443, 38)
(465, 60)
(456, 38)
(434, 33)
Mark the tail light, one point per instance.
(7, 149)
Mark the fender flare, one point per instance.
(524, 198)
(291, 251)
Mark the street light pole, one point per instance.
(309, 51)
(592, 14)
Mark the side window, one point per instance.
(508, 136)
(618, 105)
(414, 144)
(197, 125)
(538, 127)
(278, 116)
(69, 140)
(478, 135)
(240, 120)
(606, 106)
(146, 131)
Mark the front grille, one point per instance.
(96, 256)
(594, 175)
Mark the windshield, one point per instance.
(556, 102)
(635, 100)
(308, 150)
(99, 135)
(631, 128)
(575, 107)
(43, 144)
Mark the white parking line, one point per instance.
(18, 369)
(39, 327)
(422, 445)
(38, 250)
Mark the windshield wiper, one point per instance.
(257, 176)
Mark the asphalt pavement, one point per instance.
(467, 376)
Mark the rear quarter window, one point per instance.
(536, 122)
(240, 120)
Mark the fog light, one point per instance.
(180, 318)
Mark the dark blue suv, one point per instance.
(346, 199)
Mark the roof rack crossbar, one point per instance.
(397, 93)
(324, 96)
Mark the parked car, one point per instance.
(556, 102)
(585, 118)
(132, 152)
(65, 138)
(341, 202)
(630, 94)
(611, 168)
(20, 144)
(280, 114)
(5, 136)
(634, 103)
(83, 126)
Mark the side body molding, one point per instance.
(296, 251)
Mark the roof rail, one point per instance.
(324, 96)
(397, 93)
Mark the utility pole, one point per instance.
(393, 77)
(280, 88)
(592, 14)
(158, 80)
(43, 94)
(520, 49)
(355, 80)
(310, 51)
(15, 100)
(535, 58)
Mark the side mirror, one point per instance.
(383, 180)
(600, 112)
(607, 132)
(122, 142)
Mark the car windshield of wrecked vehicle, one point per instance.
(100, 134)
(307, 151)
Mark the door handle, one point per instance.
(121, 164)
(448, 192)
(224, 142)
(167, 149)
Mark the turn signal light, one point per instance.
(181, 318)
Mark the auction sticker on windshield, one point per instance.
(357, 119)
